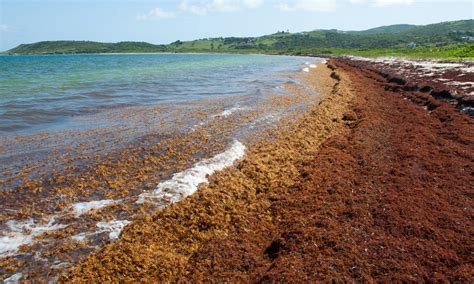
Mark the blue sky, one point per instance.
(164, 21)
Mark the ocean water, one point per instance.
(42, 92)
(95, 141)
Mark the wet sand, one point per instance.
(373, 184)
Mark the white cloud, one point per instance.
(382, 3)
(309, 5)
(253, 4)
(156, 13)
(205, 7)
(195, 9)
(6, 29)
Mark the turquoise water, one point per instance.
(37, 92)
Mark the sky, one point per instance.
(165, 21)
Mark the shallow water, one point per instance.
(42, 92)
(71, 184)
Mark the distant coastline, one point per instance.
(447, 40)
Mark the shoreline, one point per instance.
(86, 195)
(334, 197)
(58, 109)
(315, 55)
(302, 193)
(170, 53)
(266, 165)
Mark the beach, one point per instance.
(369, 185)
(366, 177)
(70, 188)
(236, 141)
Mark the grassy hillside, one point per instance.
(386, 29)
(425, 36)
(447, 40)
(456, 52)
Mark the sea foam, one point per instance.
(23, 233)
(186, 183)
(80, 208)
(15, 278)
(228, 112)
(113, 227)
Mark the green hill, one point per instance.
(442, 39)
(386, 29)
(70, 47)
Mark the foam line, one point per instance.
(114, 227)
(186, 183)
(81, 208)
(228, 112)
(23, 233)
(15, 278)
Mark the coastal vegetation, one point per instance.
(450, 40)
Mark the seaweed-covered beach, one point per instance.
(365, 175)
(372, 184)
(72, 187)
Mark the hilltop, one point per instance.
(447, 39)
(73, 47)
